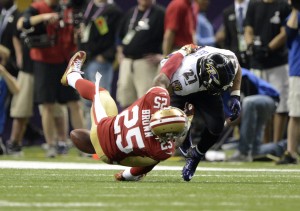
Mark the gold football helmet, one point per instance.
(168, 124)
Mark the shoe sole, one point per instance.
(81, 55)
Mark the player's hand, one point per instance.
(189, 109)
(188, 49)
(235, 107)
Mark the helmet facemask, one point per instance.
(169, 124)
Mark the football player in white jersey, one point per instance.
(198, 75)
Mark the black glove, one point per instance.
(260, 53)
(235, 107)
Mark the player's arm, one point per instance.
(235, 105)
(138, 161)
(236, 87)
(133, 173)
(161, 80)
(172, 64)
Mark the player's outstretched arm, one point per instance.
(237, 80)
(138, 161)
(161, 80)
(133, 173)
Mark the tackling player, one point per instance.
(198, 75)
(140, 136)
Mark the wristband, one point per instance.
(236, 93)
(182, 52)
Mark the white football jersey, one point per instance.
(185, 80)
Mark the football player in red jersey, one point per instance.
(139, 137)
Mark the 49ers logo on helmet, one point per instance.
(169, 120)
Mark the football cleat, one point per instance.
(192, 160)
(183, 151)
(74, 65)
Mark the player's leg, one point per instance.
(87, 89)
(72, 77)
(103, 106)
(211, 109)
(137, 161)
(88, 141)
(179, 102)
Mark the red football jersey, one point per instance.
(129, 134)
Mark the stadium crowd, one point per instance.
(256, 59)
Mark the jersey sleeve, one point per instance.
(170, 66)
(157, 98)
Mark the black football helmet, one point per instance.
(216, 72)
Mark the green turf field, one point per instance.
(216, 186)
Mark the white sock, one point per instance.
(128, 176)
(72, 78)
(99, 109)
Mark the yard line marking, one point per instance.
(88, 204)
(48, 204)
(10, 164)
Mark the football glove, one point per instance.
(188, 49)
(235, 107)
